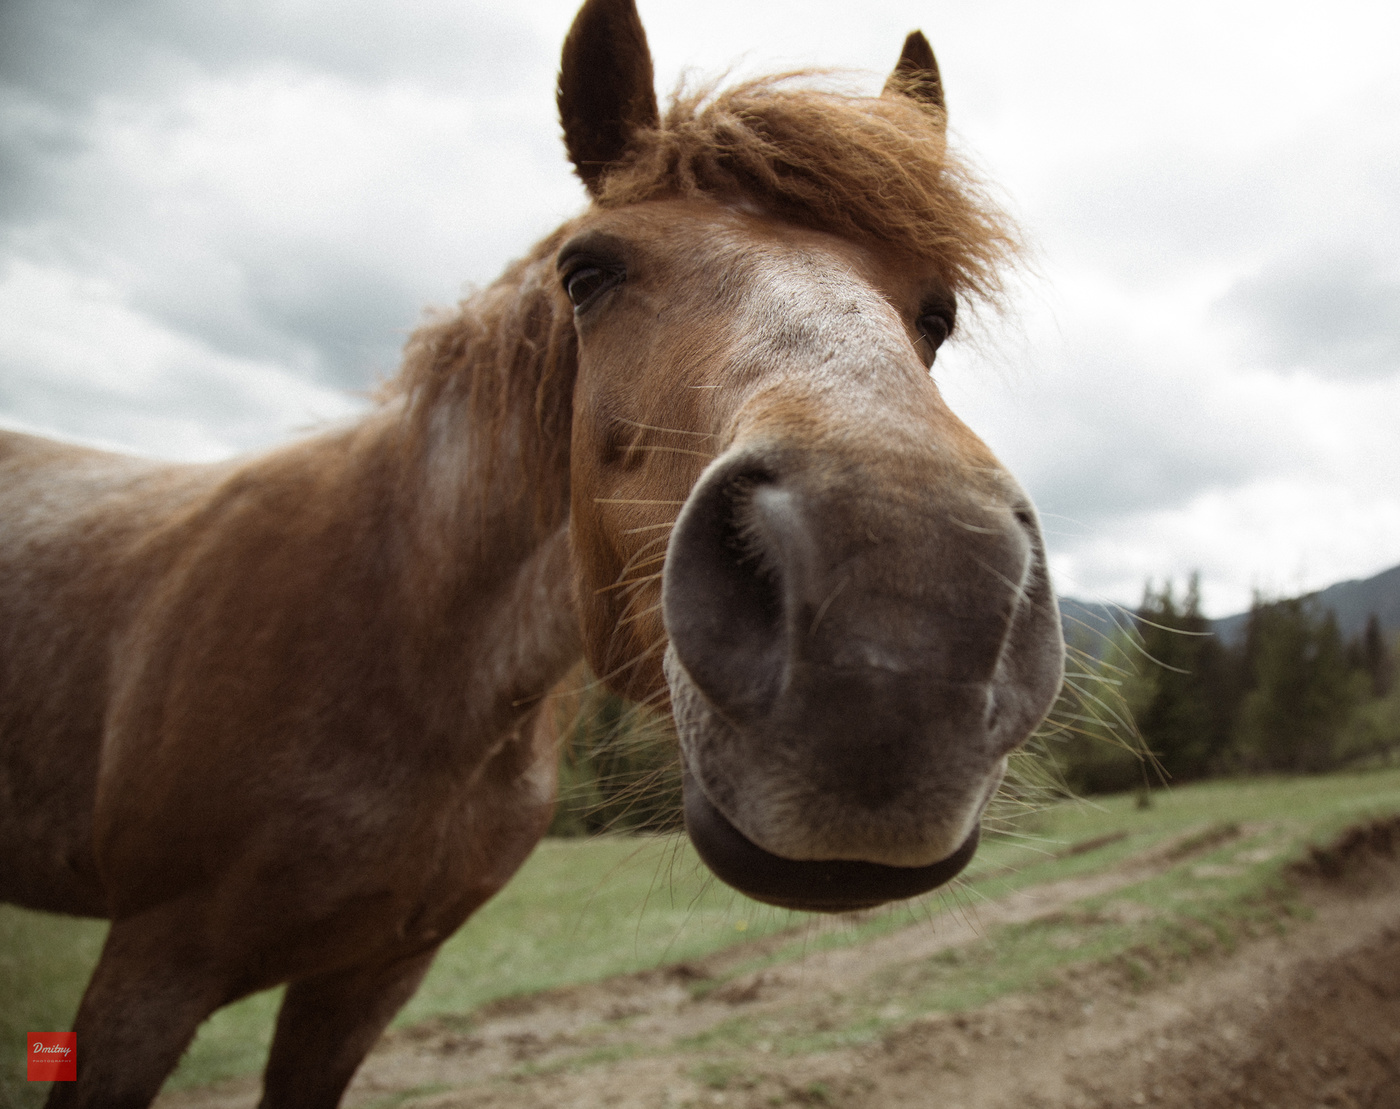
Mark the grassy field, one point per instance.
(585, 909)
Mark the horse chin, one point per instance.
(812, 885)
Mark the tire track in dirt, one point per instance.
(1090, 1042)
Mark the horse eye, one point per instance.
(586, 282)
(935, 328)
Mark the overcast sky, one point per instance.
(219, 220)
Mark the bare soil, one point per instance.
(1299, 1018)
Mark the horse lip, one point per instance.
(819, 886)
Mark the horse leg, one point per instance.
(150, 992)
(327, 1025)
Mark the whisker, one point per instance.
(1016, 587)
(669, 430)
(640, 615)
(826, 604)
(630, 583)
(635, 661)
(630, 500)
(636, 560)
(707, 455)
(974, 527)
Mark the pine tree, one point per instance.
(1303, 690)
(1186, 721)
(1372, 656)
(1372, 735)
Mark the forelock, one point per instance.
(866, 168)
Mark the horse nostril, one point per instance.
(722, 589)
(744, 534)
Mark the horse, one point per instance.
(281, 719)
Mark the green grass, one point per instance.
(585, 909)
(1295, 811)
(1234, 841)
(1203, 905)
(579, 910)
(44, 964)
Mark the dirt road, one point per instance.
(1306, 1016)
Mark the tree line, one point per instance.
(1166, 700)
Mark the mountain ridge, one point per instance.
(1351, 601)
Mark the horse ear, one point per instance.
(606, 87)
(916, 74)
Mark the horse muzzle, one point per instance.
(848, 672)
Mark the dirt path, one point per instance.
(1306, 1018)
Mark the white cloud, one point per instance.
(284, 214)
(1154, 450)
(77, 363)
(1329, 313)
(214, 218)
(1321, 532)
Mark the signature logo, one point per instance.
(53, 1056)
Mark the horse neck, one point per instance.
(482, 414)
(487, 396)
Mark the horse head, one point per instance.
(778, 525)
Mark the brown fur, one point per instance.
(280, 718)
(857, 166)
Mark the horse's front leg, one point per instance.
(327, 1025)
(153, 986)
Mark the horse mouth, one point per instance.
(817, 885)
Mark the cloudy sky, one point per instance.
(219, 220)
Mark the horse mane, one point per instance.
(859, 166)
(471, 375)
